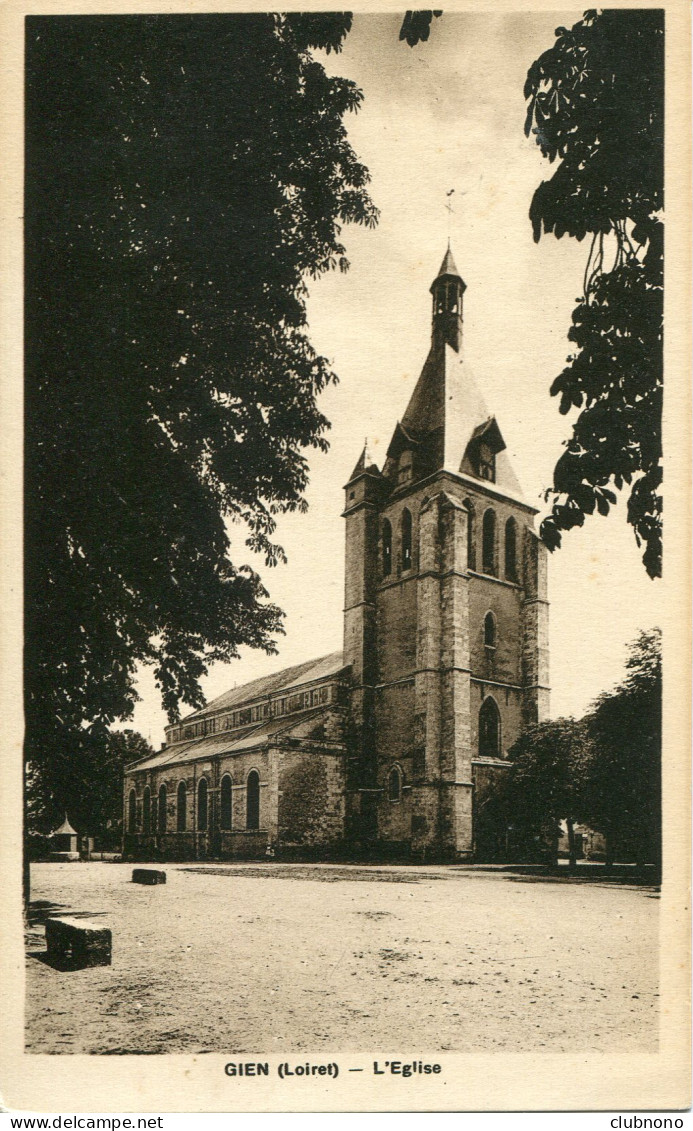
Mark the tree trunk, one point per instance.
(610, 854)
(572, 854)
(26, 872)
(26, 879)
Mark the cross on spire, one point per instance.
(449, 209)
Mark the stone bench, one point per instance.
(75, 943)
(148, 876)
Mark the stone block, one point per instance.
(148, 876)
(73, 944)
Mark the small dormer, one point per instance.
(403, 458)
(482, 449)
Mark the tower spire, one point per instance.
(447, 289)
(446, 421)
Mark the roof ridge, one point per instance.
(214, 745)
(267, 685)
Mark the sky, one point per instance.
(447, 114)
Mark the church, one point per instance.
(387, 747)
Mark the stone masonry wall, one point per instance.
(311, 798)
(535, 632)
(319, 818)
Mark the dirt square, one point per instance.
(285, 957)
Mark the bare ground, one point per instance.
(253, 958)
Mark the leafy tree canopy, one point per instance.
(416, 26)
(596, 104)
(545, 778)
(603, 770)
(623, 785)
(185, 176)
(88, 788)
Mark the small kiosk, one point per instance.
(65, 843)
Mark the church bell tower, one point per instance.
(446, 612)
(447, 289)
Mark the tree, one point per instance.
(416, 26)
(545, 781)
(185, 176)
(603, 770)
(88, 787)
(623, 781)
(596, 102)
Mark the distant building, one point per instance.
(589, 845)
(389, 745)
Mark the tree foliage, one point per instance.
(603, 770)
(185, 176)
(596, 104)
(623, 786)
(88, 788)
(416, 26)
(544, 784)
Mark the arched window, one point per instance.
(225, 803)
(394, 784)
(405, 530)
(252, 801)
(387, 548)
(471, 534)
(202, 805)
(489, 729)
(147, 811)
(181, 805)
(132, 811)
(161, 821)
(490, 630)
(488, 549)
(511, 550)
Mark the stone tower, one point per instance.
(446, 613)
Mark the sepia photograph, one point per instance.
(346, 598)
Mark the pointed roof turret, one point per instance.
(448, 289)
(447, 268)
(366, 465)
(65, 829)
